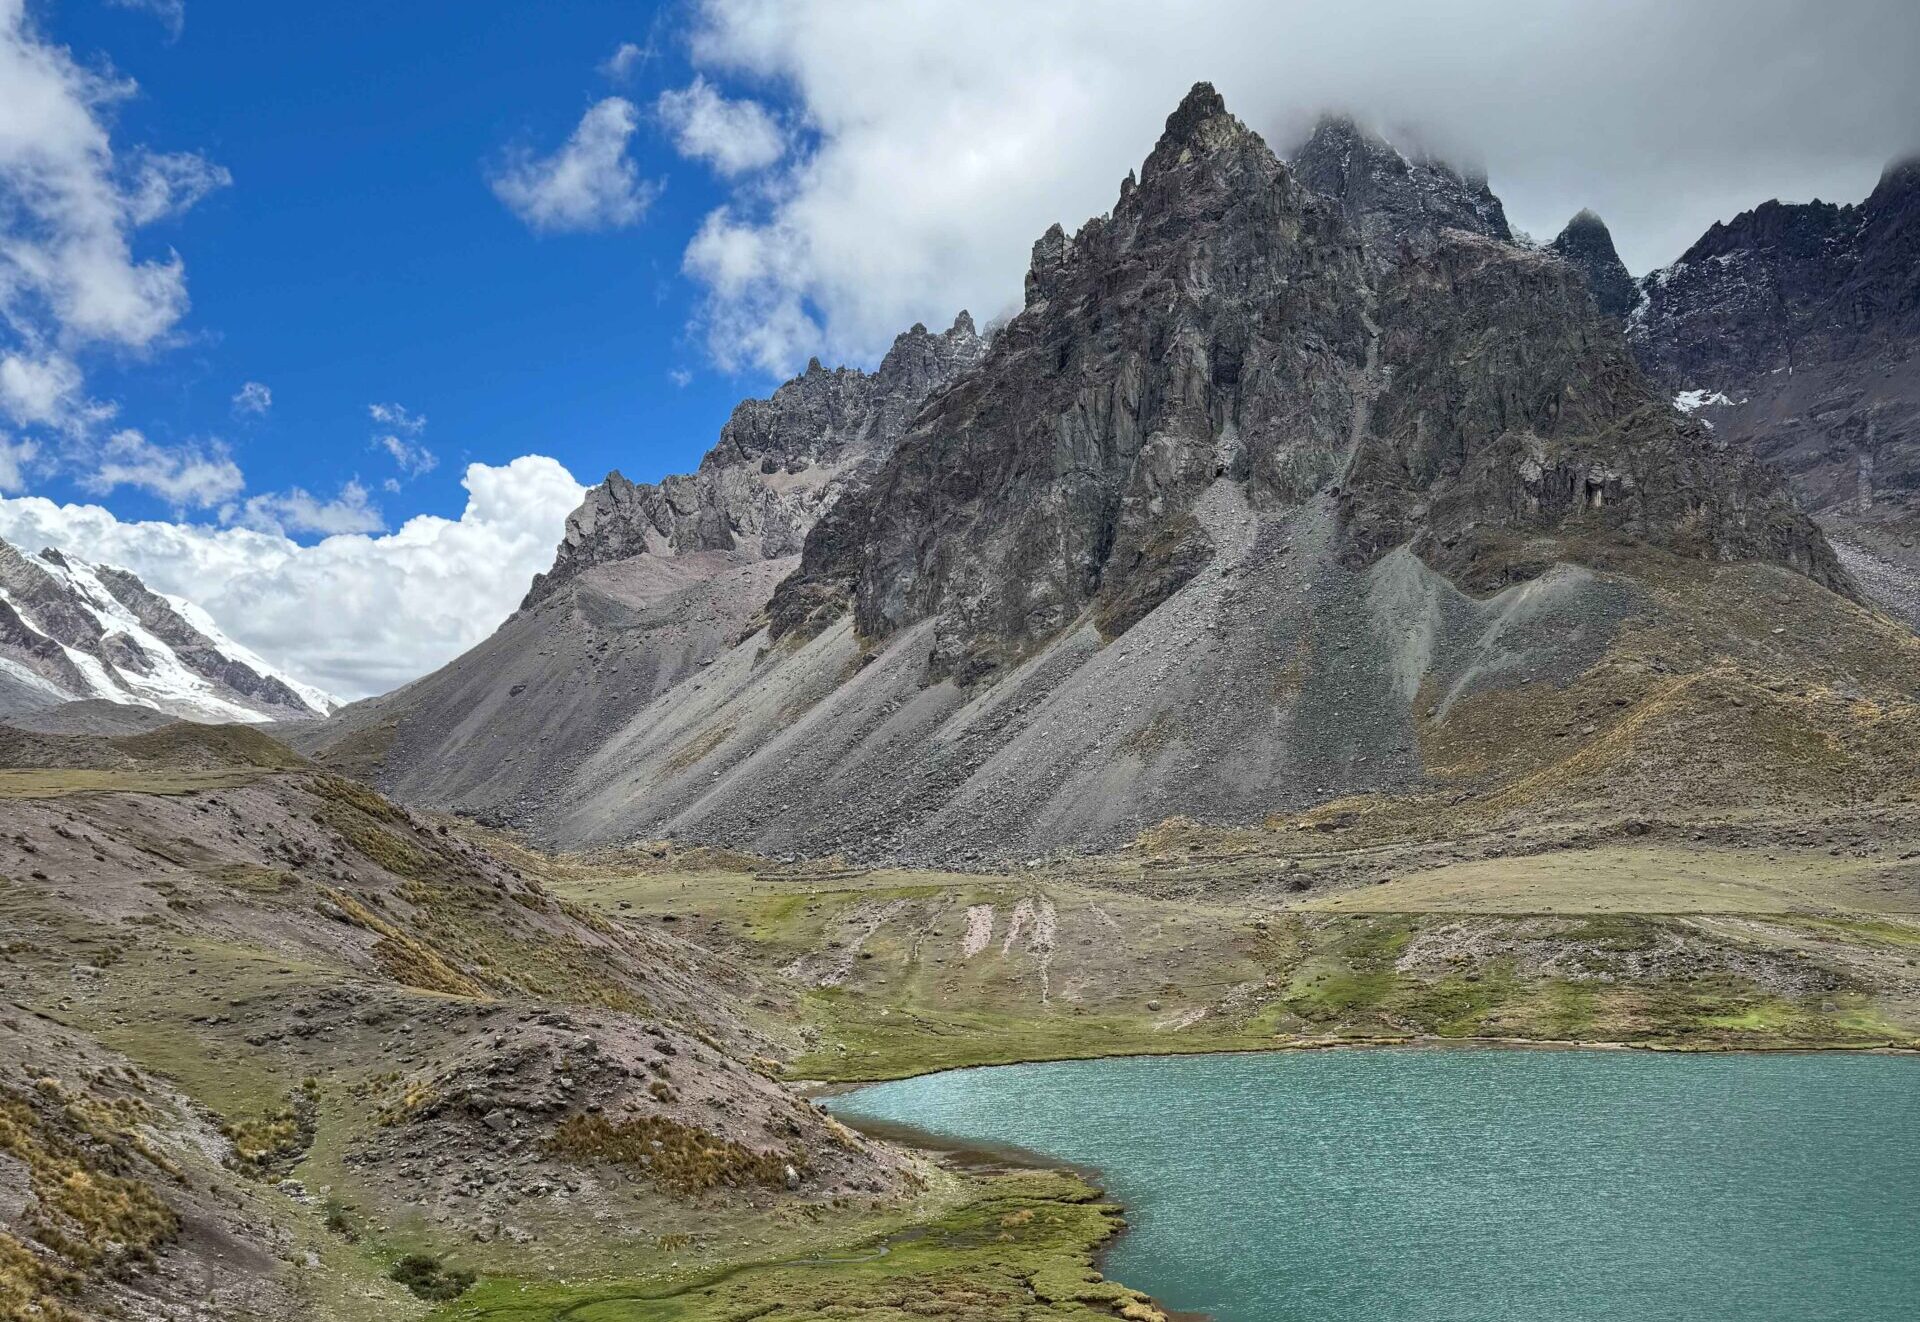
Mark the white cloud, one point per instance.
(39, 390)
(68, 273)
(70, 278)
(252, 398)
(172, 13)
(732, 136)
(589, 184)
(352, 613)
(413, 459)
(680, 377)
(943, 137)
(625, 61)
(401, 440)
(398, 416)
(15, 455)
(296, 511)
(190, 476)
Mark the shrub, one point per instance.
(431, 1279)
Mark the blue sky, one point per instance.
(359, 256)
(322, 316)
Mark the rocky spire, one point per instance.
(1396, 201)
(1198, 126)
(1587, 243)
(1224, 327)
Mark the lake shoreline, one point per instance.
(972, 1157)
(815, 1088)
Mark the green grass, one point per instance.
(17, 783)
(1023, 1248)
(1566, 1009)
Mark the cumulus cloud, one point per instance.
(933, 160)
(71, 207)
(42, 390)
(68, 273)
(353, 613)
(252, 398)
(589, 184)
(189, 476)
(296, 511)
(731, 136)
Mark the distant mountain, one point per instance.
(649, 585)
(1286, 484)
(778, 464)
(1794, 331)
(72, 631)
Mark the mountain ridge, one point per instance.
(1364, 492)
(74, 631)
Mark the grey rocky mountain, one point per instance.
(1396, 201)
(650, 584)
(778, 463)
(1588, 244)
(1219, 525)
(1794, 330)
(73, 631)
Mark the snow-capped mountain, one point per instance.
(72, 630)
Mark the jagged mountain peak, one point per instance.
(1587, 221)
(72, 630)
(1199, 126)
(1205, 528)
(778, 463)
(1588, 244)
(1221, 325)
(1398, 201)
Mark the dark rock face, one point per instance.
(1587, 243)
(1214, 324)
(1513, 412)
(1397, 202)
(1224, 323)
(778, 464)
(1786, 285)
(1794, 331)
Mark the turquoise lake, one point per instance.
(1477, 1185)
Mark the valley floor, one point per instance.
(314, 997)
(1734, 937)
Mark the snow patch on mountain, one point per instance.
(76, 635)
(1692, 401)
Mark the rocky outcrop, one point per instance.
(1786, 286)
(1223, 324)
(1397, 202)
(1793, 330)
(1214, 325)
(1514, 430)
(778, 464)
(1588, 244)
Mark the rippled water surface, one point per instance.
(1479, 1185)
